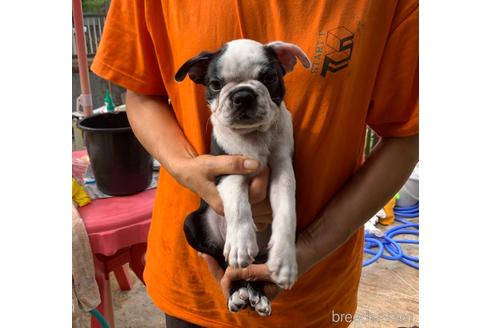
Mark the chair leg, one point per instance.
(106, 306)
(137, 260)
(123, 278)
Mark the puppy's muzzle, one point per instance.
(244, 102)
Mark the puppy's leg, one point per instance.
(282, 256)
(240, 246)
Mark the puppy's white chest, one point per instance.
(256, 145)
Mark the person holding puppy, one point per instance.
(364, 72)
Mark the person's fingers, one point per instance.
(261, 224)
(211, 196)
(262, 214)
(229, 164)
(261, 209)
(252, 272)
(263, 219)
(258, 188)
(213, 266)
(225, 286)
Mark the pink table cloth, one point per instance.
(117, 222)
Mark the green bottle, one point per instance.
(109, 102)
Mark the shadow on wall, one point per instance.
(98, 88)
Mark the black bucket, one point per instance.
(120, 164)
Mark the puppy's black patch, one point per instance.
(213, 76)
(272, 76)
(196, 235)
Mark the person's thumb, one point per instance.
(230, 164)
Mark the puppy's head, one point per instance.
(244, 81)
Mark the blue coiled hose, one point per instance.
(387, 244)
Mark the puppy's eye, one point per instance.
(215, 85)
(270, 78)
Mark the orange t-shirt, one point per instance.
(365, 72)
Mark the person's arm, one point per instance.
(155, 126)
(379, 179)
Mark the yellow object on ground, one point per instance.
(390, 214)
(79, 195)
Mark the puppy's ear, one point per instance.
(287, 54)
(196, 68)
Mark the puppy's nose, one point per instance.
(243, 99)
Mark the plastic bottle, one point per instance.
(109, 102)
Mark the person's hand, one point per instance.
(198, 174)
(253, 272)
(260, 203)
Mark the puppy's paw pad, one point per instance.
(238, 300)
(264, 307)
(254, 296)
(283, 265)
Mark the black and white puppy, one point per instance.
(245, 92)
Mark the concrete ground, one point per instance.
(389, 293)
(388, 297)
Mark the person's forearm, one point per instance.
(155, 126)
(379, 179)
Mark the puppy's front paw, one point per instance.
(283, 265)
(240, 247)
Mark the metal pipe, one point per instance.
(85, 87)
